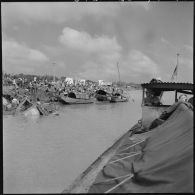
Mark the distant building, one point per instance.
(100, 82)
(69, 80)
(104, 83)
(107, 83)
(81, 81)
(91, 82)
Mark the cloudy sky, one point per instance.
(86, 40)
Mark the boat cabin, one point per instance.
(101, 92)
(160, 95)
(75, 95)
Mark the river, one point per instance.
(46, 154)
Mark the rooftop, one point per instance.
(168, 86)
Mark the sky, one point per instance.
(86, 40)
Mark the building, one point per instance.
(100, 82)
(104, 83)
(69, 80)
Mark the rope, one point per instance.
(133, 145)
(122, 153)
(115, 178)
(111, 189)
(125, 157)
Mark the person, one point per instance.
(151, 99)
(182, 98)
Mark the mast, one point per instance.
(177, 64)
(54, 71)
(118, 73)
(175, 72)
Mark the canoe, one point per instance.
(73, 98)
(115, 99)
(32, 111)
(102, 95)
(68, 100)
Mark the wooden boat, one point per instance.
(32, 111)
(154, 156)
(75, 98)
(29, 108)
(102, 95)
(118, 98)
(24, 105)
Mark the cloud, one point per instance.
(13, 50)
(138, 67)
(103, 54)
(19, 56)
(141, 63)
(57, 12)
(96, 55)
(188, 48)
(85, 42)
(168, 44)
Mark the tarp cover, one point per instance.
(78, 95)
(101, 92)
(165, 162)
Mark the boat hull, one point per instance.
(32, 111)
(141, 149)
(68, 100)
(102, 98)
(118, 99)
(84, 181)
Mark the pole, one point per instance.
(177, 64)
(54, 71)
(118, 73)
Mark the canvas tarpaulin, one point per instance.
(161, 162)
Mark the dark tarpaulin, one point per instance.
(165, 162)
(101, 92)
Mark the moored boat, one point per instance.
(102, 95)
(24, 105)
(118, 98)
(75, 98)
(32, 111)
(154, 156)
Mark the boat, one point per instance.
(154, 156)
(118, 98)
(24, 105)
(75, 98)
(27, 107)
(32, 111)
(102, 95)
